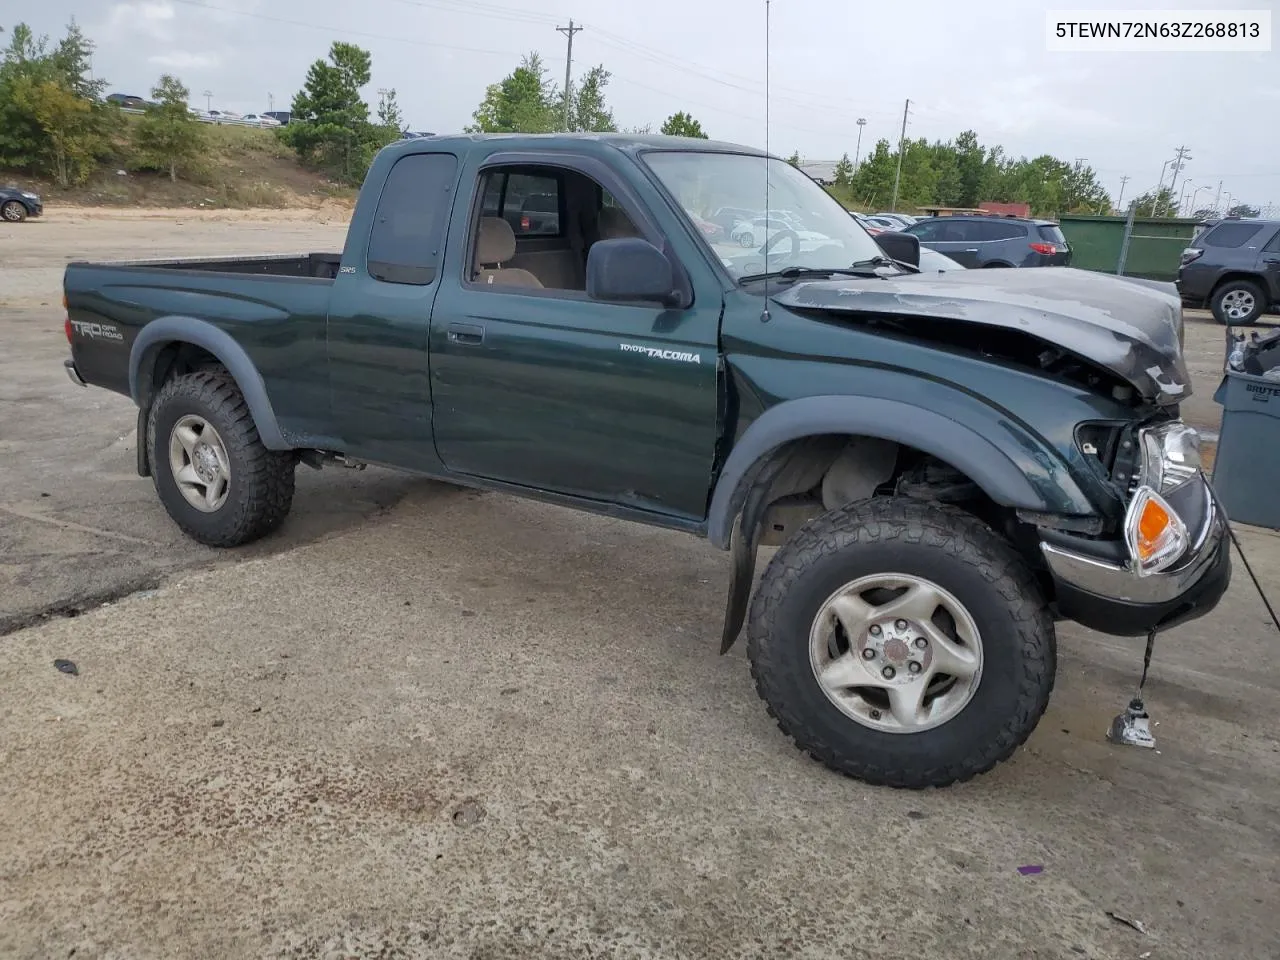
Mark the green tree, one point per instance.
(590, 112)
(330, 126)
(794, 159)
(389, 115)
(1243, 210)
(682, 124)
(1156, 204)
(524, 101)
(872, 183)
(50, 119)
(844, 173)
(167, 136)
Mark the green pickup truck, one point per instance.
(947, 462)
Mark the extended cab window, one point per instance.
(1231, 234)
(407, 239)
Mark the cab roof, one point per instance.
(627, 142)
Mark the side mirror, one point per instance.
(900, 246)
(629, 269)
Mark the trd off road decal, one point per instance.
(96, 331)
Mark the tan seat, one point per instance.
(496, 245)
(613, 224)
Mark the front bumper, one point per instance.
(1097, 587)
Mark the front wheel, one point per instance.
(902, 643)
(13, 211)
(211, 471)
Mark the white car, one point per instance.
(260, 120)
(754, 233)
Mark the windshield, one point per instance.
(803, 226)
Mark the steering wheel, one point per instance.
(767, 247)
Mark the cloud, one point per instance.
(185, 60)
(152, 18)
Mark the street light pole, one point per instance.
(1196, 193)
(857, 151)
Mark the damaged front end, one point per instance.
(1086, 326)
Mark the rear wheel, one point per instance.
(1238, 303)
(902, 643)
(212, 473)
(12, 211)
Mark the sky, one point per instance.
(831, 62)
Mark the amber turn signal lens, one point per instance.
(1153, 524)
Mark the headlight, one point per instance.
(31, 196)
(1155, 534)
(1170, 456)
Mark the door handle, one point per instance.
(468, 333)
(972, 250)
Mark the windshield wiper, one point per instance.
(886, 262)
(808, 273)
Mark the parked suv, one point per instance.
(1234, 269)
(979, 241)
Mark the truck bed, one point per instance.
(323, 266)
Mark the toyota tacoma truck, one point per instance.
(947, 463)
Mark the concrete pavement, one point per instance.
(427, 722)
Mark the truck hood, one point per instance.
(1129, 329)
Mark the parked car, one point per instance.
(933, 260)
(17, 205)
(903, 218)
(729, 217)
(755, 233)
(1234, 269)
(867, 225)
(987, 241)
(903, 633)
(260, 120)
(280, 116)
(885, 223)
(128, 100)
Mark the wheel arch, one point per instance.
(1232, 276)
(165, 332)
(948, 440)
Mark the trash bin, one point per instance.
(1246, 469)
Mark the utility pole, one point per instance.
(568, 31)
(271, 102)
(1075, 183)
(1120, 199)
(902, 142)
(1217, 197)
(1182, 155)
(208, 100)
(857, 151)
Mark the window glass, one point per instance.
(532, 205)
(1231, 234)
(925, 231)
(407, 239)
(1274, 245)
(997, 230)
(1052, 234)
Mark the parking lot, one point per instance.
(423, 721)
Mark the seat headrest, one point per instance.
(496, 242)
